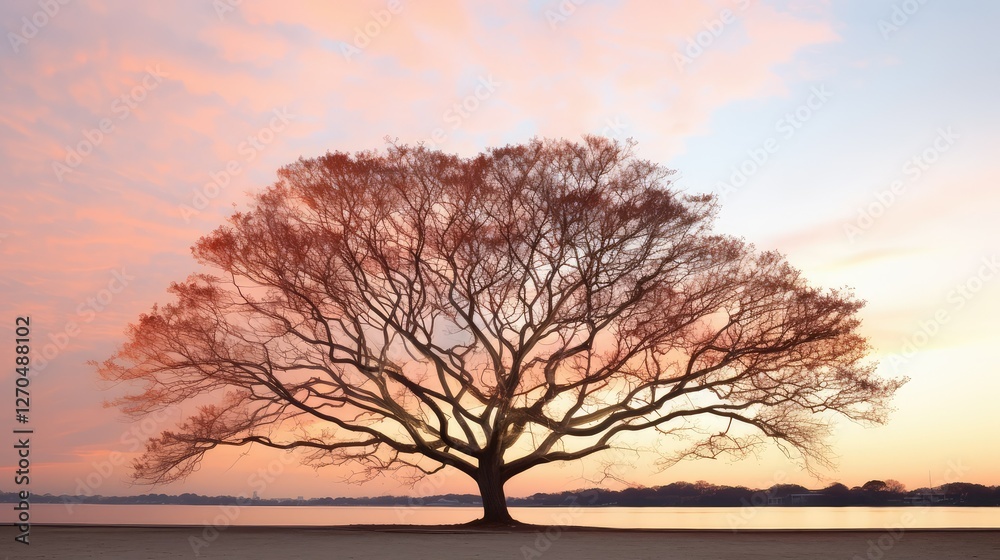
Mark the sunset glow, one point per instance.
(857, 138)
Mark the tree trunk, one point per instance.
(494, 501)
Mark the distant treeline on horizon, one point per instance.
(677, 494)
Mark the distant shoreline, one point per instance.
(533, 506)
(677, 494)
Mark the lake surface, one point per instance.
(915, 517)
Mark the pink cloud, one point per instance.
(224, 77)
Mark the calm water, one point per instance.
(617, 517)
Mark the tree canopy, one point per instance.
(410, 310)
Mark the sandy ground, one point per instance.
(272, 543)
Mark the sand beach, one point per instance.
(417, 543)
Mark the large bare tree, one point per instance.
(412, 311)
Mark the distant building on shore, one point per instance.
(925, 498)
(805, 499)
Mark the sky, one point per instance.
(857, 137)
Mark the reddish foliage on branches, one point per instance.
(536, 303)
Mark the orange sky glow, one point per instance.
(857, 138)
